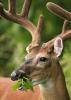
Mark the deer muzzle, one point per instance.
(19, 73)
(22, 71)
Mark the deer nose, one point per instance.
(17, 75)
(14, 76)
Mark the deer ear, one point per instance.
(58, 46)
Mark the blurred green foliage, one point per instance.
(14, 39)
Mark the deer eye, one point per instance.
(43, 59)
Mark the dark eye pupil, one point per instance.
(43, 59)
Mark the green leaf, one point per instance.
(27, 84)
(16, 85)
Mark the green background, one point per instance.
(14, 39)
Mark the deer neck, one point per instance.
(55, 87)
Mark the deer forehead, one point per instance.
(38, 54)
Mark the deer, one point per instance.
(42, 60)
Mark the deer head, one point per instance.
(39, 61)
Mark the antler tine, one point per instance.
(66, 33)
(59, 11)
(26, 7)
(12, 5)
(65, 26)
(36, 36)
(40, 24)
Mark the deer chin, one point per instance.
(40, 81)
